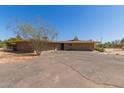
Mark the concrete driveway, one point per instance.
(65, 69)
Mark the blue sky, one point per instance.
(85, 22)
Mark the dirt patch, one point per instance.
(6, 57)
(112, 51)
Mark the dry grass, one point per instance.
(6, 57)
(114, 51)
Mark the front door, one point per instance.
(62, 46)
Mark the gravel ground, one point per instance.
(64, 69)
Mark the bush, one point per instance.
(2, 44)
(123, 48)
(100, 49)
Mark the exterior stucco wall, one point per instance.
(58, 46)
(50, 46)
(27, 47)
(80, 47)
(24, 47)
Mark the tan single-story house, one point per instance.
(76, 45)
(73, 45)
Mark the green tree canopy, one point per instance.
(13, 39)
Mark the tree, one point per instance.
(122, 41)
(39, 34)
(2, 44)
(107, 44)
(13, 39)
(113, 44)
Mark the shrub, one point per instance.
(2, 44)
(123, 48)
(100, 49)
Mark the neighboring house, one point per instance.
(74, 45)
